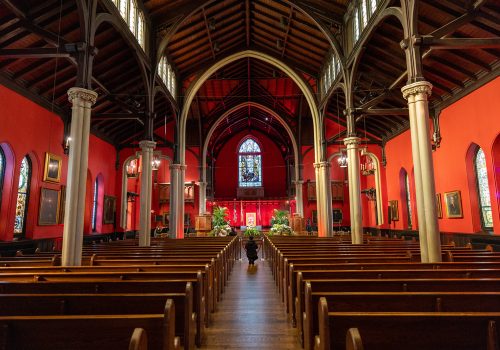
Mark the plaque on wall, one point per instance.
(250, 192)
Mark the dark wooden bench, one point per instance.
(393, 302)
(411, 331)
(89, 332)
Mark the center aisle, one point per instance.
(251, 314)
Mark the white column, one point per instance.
(180, 201)
(174, 175)
(352, 144)
(417, 94)
(299, 198)
(202, 198)
(147, 148)
(319, 200)
(82, 101)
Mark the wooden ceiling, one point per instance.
(212, 30)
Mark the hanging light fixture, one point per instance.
(342, 159)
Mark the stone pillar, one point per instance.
(352, 144)
(417, 94)
(174, 198)
(147, 148)
(180, 201)
(202, 198)
(299, 198)
(324, 200)
(82, 101)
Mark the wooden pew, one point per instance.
(394, 302)
(139, 340)
(106, 304)
(92, 332)
(397, 285)
(410, 331)
(110, 286)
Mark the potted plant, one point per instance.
(252, 231)
(220, 224)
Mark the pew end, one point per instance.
(353, 340)
(139, 340)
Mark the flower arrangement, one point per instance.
(279, 223)
(220, 224)
(252, 231)
(280, 230)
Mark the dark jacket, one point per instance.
(251, 248)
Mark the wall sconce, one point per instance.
(155, 163)
(132, 169)
(66, 145)
(342, 159)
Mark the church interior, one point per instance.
(356, 141)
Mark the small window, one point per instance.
(22, 197)
(483, 190)
(94, 205)
(364, 14)
(250, 164)
(355, 22)
(132, 23)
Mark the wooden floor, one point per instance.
(251, 314)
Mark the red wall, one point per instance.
(472, 120)
(273, 168)
(30, 129)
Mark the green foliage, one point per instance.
(280, 217)
(252, 231)
(280, 230)
(219, 216)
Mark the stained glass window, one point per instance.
(483, 190)
(22, 197)
(373, 6)
(250, 164)
(364, 14)
(132, 23)
(94, 205)
(356, 25)
(408, 200)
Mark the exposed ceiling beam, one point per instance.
(247, 21)
(33, 53)
(459, 43)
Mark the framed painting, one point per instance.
(52, 170)
(62, 203)
(439, 206)
(166, 219)
(393, 205)
(453, 204)
(337, 216)
(311, 191)
(108, 215)
(189, 192)
(250, 219)
(49, 207)
(164, 192)
(314, 214)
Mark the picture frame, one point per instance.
(393, 204)
(109, 209)
(439, 206)
(189, 192)
(314, 217)
(311, 191)
(164, 193)
(52, 169)
(132, 168)
(49, 207)
(62, 203)
(337, 215)
(166, 219)
(453, 204)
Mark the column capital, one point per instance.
(202, 183)
(147, 144)
(352, 141)
(298, 182)
(178, 167)
(419, 87)
(323, 164)
(83, 94)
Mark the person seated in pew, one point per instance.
(232, 232)
(251, 248)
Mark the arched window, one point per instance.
(408, 200)
(483, 190)
(94, 204)
(2, 173)
(250, 164)
(23, 195)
